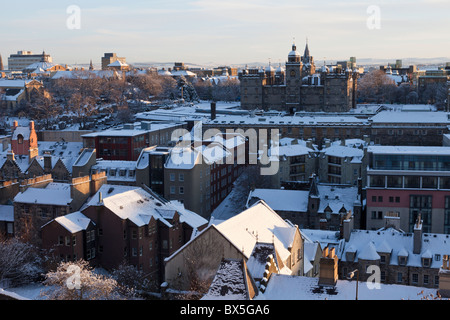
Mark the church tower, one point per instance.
(293, 76)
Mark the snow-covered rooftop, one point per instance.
(57, 194)
(409, 150)
(284, 287)
(259, 223)
(74, 222)
(411, 117)
(229, 283)
(7, 213)
(281, 200)
(368, 243)
(182, 158)
(139, 206)
(337, 197)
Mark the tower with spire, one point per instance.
(91, 66)
(308, 61)
(298, 87)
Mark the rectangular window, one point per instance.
(415, 278)
(420, 204)
(399, 277)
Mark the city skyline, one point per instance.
(230, 32)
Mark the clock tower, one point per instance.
(293, 80)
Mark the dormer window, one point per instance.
(426, 262)
(402, 260)
(20, 139)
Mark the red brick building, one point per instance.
(24, 140)
(128, 142)
(70, 237)
(131, 225)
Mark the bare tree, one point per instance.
(201, 260)
(377, 87)
(19, 261)
(83, 107)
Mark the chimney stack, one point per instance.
(328, 271)
(347, 227)
(418, 235)
(10, 156)
(47, 163)
(213, 110)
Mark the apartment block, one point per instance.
(408, 181)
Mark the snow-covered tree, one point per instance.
(78, 281)
(19, 261)
(187, 90)
(130, 279)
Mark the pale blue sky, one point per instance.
(227, 31)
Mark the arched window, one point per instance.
(20, 139)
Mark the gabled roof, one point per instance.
(259, 223)
(74, 222)
(23, 131)
(139, 206)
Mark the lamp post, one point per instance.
(351, 275)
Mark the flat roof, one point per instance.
(410, 150)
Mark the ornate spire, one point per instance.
(306, 54)
(91, 66)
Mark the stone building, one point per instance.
(313, 206)
(413, 258)
(299, 86)
(45, 200)
(239, 237)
